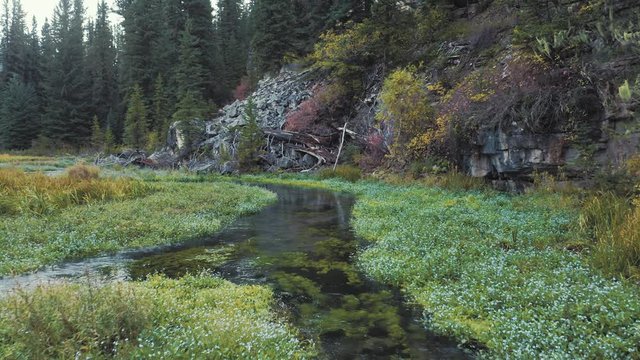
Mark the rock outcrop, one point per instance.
(513, 158)
(212, 147)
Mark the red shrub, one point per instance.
(304, 117)
(242, 90)
(375, 150)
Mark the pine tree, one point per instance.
(18, 115)
(232, 43)
(14, 43)
(199, 14)
(33, 74)
(310, 19)
(251, 139)
(109, 141)
(66, 85)
(161, 109)
(142, 25)
(97, 136)
(273, 37)
(136, 124)
(190, 75)
(101, 65)
(5, 20)
(190, 79)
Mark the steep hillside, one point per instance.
(503, 90)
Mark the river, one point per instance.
(302, 246)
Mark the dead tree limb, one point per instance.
(344, 132)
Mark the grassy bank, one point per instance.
(86, 217)
(496, 271)
(194, 317)
(36, 163)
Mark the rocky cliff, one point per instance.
(215, 141)
(512, 113)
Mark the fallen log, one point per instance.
(300, 138)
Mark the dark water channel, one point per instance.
(303, 246)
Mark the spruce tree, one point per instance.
(32, 73)
(136, 124)
(18, 115)
(251, 139)
(97, 136)
(101, 66)
(274, 36)
(109, 141)
(14, 43)
(142, 24)
(199, 14)
(160, 109)
(232, 42)
(66, 85)
(190, 79)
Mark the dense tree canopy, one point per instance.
(185, 56)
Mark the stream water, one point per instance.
(303, 246)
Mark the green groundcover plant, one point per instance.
(196, 317)
(493, 270)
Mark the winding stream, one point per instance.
(303, 246)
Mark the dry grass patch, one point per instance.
(36, 193)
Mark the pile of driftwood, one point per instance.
(322, 148)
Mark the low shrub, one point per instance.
(83, 172)
(375, 151)
(405, 107)
(456, 181)
(242, 89)
(304, 117)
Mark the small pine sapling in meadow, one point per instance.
(109, 141)
(251, 139)
(136, 122)
(97, 135)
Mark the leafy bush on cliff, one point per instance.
(405, 107)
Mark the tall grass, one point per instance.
(613, 224)
(39, 194)
(344, 172)
(14, 159)
(63, 321)
(174, 213)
